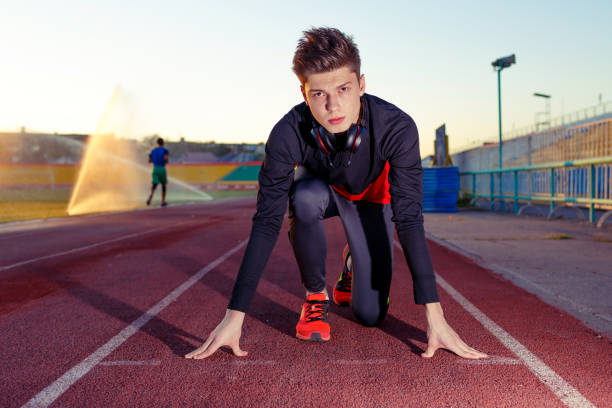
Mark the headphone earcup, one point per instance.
(353, 138)
(351, 134)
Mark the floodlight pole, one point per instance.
(499, 70)
(500, 118)
(500, 64)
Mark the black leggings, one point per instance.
(369, 232)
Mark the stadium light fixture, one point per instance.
(546, 113)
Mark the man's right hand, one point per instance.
(227, 333)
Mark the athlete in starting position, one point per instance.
(340, 152)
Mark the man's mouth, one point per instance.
(336, 121)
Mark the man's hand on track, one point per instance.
(441, 335)
(227, 333)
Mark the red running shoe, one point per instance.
(313, 325)
(342, 290)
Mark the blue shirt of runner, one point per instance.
(157, 156)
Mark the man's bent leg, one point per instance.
(309, 203)
(369, 232)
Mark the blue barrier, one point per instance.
(440, 189)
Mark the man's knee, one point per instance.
(370, 316)
(308, 201)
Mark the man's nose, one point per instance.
(332, 103)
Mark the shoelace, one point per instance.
(344, 284)
(316, 310)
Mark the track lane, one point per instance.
(569, 348)
(28, 280)
(95, 296)
(64, 235)
(361, 366)
(365, 366)
(47, 396)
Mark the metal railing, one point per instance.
(585, 182)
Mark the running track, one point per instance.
(99, 310)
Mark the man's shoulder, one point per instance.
(288, 136)
(296, 121)
(380, 107)
(300, 113)
(387, 116)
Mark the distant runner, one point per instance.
(343, 153)
(159, 158)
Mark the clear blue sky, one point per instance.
(222, 70)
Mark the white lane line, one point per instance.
(561, 388)
(130, 363)
(493, 360)
(70, 251)
(253, 362)
(241, 363)
(57, 388)
(359, 362)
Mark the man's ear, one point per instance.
(362, 85)
(303, 94)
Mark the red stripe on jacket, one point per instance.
(377, 192)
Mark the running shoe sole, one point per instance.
(339, 303)
(313, 337)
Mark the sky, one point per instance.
(212, 70)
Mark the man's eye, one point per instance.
(344, 89)
(317, 94)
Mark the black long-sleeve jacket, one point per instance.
(391, 137)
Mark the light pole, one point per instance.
(498, 65)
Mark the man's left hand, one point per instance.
(441, 335)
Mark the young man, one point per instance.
(340, 152)
(159, 158)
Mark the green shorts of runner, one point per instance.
(159, 175)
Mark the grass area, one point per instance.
(220, 195)
(558, 236)
(36, 193)
(11, 211)
(36, 203)
(33, 203)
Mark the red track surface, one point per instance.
(58, 310)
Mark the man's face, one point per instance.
(333, 98)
